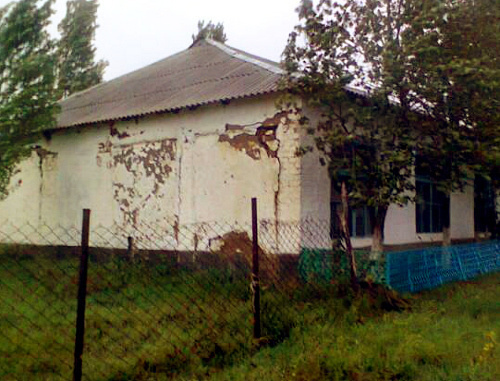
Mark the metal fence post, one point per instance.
(130, 248)
(255, 273)
(82, 295)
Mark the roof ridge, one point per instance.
(193, 77)
(275, 69)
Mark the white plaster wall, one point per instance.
(400, 223)
(181, 180)
(315, 191)
(23, 202)
(462, 214)
(164, 173)
(316, 194)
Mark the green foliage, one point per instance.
(76, 52)
(211, 31)
(322, 266)
(363, 137)
(454, 70)
(27, 74)
(429, 77)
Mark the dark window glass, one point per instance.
(431, 207)
(484, 206)
(335, 227)
(359, 221)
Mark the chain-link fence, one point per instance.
(175, 300)
(38, 288)
(161, 301)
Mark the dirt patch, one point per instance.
(236, 249)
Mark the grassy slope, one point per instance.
(140, 320)
(450, 334)
(144, 322)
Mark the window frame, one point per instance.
(436, 206)
(335, 228)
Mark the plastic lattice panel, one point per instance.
(416, 270)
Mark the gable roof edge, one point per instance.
(241, 56)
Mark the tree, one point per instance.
(212, 31)
(27, 75)
(455, 77)
(427, 81)
(77, 67)
(350, 68)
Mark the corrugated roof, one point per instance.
(205, 73)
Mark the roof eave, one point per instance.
(160, 111)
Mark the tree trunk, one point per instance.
(446, 222)
(446, 236)
(377, 239)
(344, 222)
(377, 218)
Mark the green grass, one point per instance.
(450, 333)
(153, 320)
(140, 318)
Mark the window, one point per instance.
(432, 206)
(484, 206)
(359, 220)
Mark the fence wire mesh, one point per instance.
(417, 270)
(162, 300)
(38, 286)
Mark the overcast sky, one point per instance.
(135, 33)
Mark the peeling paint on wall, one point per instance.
(141, 171)
(105, 147)
(243, 142)
(104, 154)
(154, 160)
(262, 138)
(113, 131)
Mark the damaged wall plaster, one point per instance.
(142, 171)
(47, 164)
(170, 171)
(256, 137)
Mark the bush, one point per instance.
(331, 265)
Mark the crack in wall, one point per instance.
(43, 154)
(264, 138)
(276, 200)
(185, 140)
